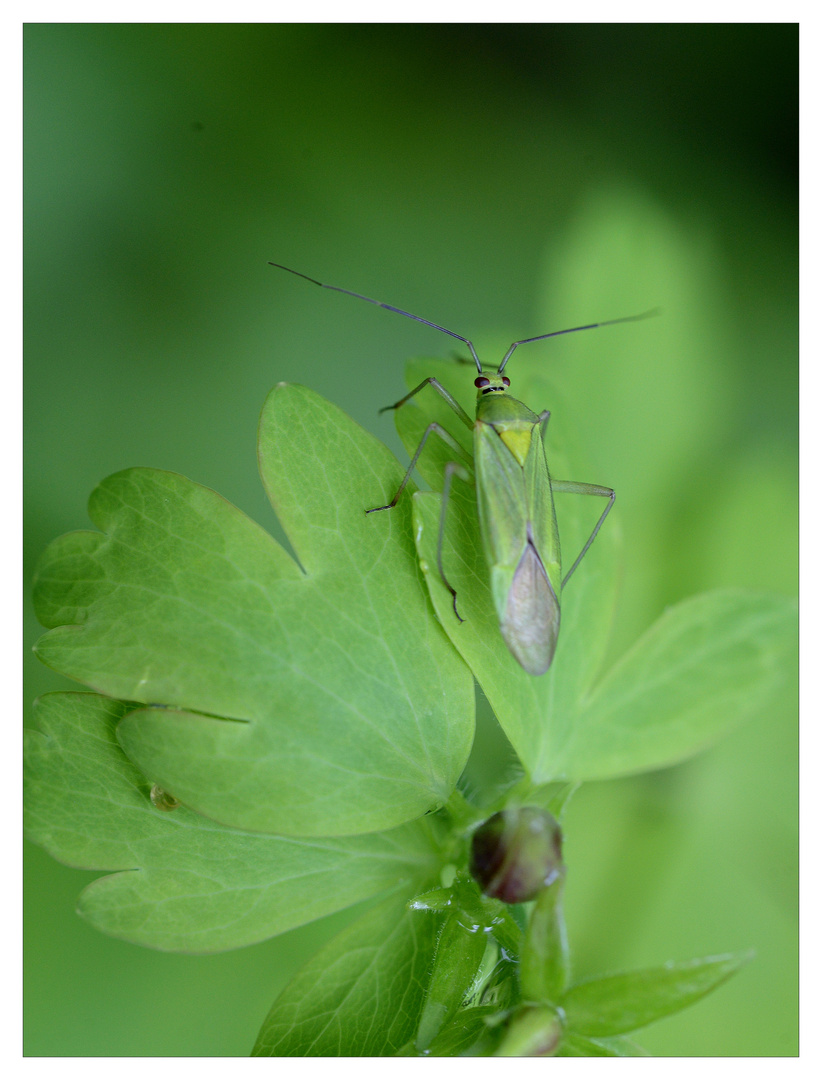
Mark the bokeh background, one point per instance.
(504, 180)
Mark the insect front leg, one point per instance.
(435, 385)
(451, 469)
(448, 439)
(572, 487)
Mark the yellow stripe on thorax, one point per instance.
(518, 442)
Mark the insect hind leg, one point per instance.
(573, 487)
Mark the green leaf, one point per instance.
(187, 883)
(580, 1046)
(706, 665)
(614, 1004)
(459, 952)
(361, 995)
(473, 1032)
(313, 702)
(554, 797)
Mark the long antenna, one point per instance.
(387, 307)
(445, 330)
(573, 330)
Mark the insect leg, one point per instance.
(451, 468)
(572, 487)
(435, 385)
(448, 439)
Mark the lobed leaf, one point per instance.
(186, 883)
(315, 700)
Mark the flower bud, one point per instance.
(516, 853)
(534, 1031)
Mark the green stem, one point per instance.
(544, 967)
(461, 811)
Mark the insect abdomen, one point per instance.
(530, 620)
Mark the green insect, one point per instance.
(518, 522)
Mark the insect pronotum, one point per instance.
(518, 522)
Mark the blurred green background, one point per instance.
(504, 180)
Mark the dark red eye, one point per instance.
(481, 381)
(506, 381)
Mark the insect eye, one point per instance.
(506, 381)
(481, 381)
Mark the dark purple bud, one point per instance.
(517, 853)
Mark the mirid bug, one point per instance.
(518, 522)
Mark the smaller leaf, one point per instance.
(460, 950)
(438, 900)
(491, 916)
(477, 914)
(616, 1046)
(553, 797)
(361, 995)
(707, 664)
(472, 1033)
(499, 987)
(614, 1004)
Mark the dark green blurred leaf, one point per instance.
(186, 883)
(333, 702)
